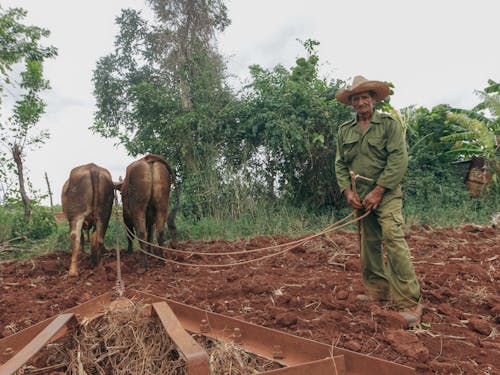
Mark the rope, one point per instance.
(288, 246)
(326, 230)
(119, 285)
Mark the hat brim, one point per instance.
(381, 90)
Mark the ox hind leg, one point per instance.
(76, 237)
(82, 241)
(97, 243)
(160, 220)
(85, 237)
(172, 229)
(130, 231)
(140, 225)
(153, 249)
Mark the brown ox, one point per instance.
(87, 200)
(145, 196)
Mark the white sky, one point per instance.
(434, 51)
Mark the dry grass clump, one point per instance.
(478, 293)
(127, 340)
(114, 345)
(230, 359)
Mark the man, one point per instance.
(370, 162)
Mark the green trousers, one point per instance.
(390, 277)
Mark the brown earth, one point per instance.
(309, 291)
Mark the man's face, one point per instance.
(363, 103)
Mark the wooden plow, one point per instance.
(297, 355)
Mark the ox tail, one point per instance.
(94, 178)
(152, 158)
(173, 212)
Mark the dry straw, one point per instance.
(113, 344)
(128, 340)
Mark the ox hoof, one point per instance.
(73, 269)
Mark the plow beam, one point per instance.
(333, 365)
(298, 355)
(56, 329)
(196, 357)
(284, 348)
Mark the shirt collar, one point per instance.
(376, 119)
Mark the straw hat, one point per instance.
(361, 84)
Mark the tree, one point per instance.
(490, 105)
(476, 132)
(163, 88)
(284, 131)
(471, 137)
(20, 46)
(439, 140)
(490, 109)
(186, 45)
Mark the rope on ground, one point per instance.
(119, 285)
(288, 246)
(279, 246)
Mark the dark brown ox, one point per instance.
(145, 196)
(87, 200)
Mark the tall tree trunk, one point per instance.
(16, 153)
(50, 192)
(185, 60)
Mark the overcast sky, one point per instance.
(434, 51)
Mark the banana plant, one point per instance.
(477, 132)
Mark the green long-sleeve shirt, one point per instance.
(379, 152)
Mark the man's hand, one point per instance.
(373, 198)
(353, 199)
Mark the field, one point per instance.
(308, 291)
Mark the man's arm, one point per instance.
(397, 157)
(397, 163)
(341, 168)
(343, 177)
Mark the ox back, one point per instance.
(87, 200)
(145, 197)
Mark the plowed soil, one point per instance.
(309, 291)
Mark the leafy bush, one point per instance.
(41, 225)
(7, 217)
(12, 224)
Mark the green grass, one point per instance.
(266, 220)
(452, 208)
(6, 224)
(446, 209)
